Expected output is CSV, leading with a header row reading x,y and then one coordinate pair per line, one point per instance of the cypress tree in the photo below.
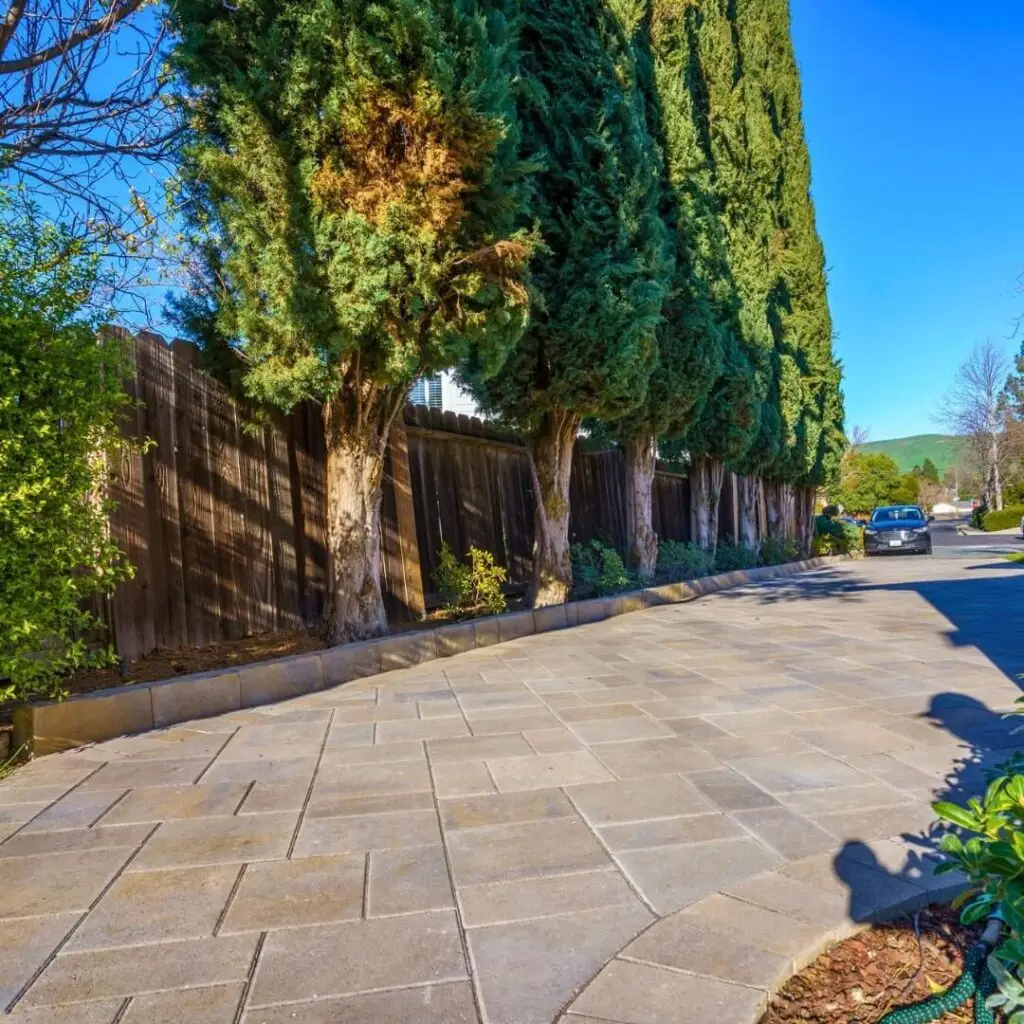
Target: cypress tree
x,y
357,165
601,272
700,301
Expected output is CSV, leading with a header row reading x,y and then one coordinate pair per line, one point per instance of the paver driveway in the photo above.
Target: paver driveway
x,y
477,838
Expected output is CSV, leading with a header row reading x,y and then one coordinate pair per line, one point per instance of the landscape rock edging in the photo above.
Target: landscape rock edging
x,y
50,727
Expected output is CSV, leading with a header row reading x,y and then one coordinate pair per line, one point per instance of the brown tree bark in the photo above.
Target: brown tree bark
x,y
749,495
641,461
805,518
551,468
356,426
706,475
773,509
787,510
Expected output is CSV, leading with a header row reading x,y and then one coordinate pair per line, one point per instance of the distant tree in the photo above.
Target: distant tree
x,y
358,167
909,490
870,479
974,408
929,472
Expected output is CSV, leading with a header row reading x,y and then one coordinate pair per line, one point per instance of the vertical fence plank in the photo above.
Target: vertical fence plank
x,y
282,527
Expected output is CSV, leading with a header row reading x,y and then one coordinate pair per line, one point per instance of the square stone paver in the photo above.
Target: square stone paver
x,y
528,970
753,925
450,1003
505,809
99,974
304,891
543,771
214,1005
386,753
782,773
478,748
346,958
670,877
372,832
641,994
656,797
372,779
270,769
461,778
56,883
156,906
498,902
408,881
505,852
197,841
130,774
104,1012
644,758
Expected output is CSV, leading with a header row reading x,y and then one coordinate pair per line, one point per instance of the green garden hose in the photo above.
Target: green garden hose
x,y
976,981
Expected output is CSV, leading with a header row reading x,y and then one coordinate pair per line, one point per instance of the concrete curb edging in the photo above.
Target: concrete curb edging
x,y
46,728
724,957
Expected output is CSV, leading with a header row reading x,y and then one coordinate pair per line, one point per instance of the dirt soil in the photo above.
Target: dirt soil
x,y
888,966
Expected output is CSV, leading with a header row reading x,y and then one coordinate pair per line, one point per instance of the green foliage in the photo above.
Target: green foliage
x,y
832,537
357,167
602,272
683,561
978,516
775,551
942,450
870,480
598,570
60,398
927,471
988,847
730,557
990,520
473,589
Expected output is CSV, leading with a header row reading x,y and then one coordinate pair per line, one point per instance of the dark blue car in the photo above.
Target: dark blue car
x,y
898,529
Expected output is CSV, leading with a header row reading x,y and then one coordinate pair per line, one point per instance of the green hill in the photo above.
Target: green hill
x,y
909,452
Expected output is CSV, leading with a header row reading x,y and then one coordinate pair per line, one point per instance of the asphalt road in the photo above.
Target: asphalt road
x,y
947,541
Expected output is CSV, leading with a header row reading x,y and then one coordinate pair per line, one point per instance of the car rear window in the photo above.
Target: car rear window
x,y
895,515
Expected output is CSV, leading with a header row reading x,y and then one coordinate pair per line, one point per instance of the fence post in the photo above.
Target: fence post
x,y
405,517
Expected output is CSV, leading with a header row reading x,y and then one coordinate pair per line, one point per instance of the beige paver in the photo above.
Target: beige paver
x,y
756,767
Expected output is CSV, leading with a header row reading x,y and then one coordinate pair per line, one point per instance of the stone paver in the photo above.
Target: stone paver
x,y
651,818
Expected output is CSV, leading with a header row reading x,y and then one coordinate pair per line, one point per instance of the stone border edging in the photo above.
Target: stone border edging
x,y
724,957
48,728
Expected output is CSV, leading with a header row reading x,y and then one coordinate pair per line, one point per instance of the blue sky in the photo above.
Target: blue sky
x,y
914,112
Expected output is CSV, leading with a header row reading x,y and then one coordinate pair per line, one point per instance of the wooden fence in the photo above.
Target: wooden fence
x,y
223,515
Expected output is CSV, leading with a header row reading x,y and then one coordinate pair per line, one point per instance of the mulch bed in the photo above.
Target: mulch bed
x,y
891,965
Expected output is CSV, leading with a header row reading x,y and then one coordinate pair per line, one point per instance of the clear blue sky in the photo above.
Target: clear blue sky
x,y
914,112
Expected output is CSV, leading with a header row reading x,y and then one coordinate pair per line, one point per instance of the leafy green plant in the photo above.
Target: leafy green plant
x,y
598,570
730,557
470,589
1002,520
775,551
978,516
60,399
991,855
683,561
832,537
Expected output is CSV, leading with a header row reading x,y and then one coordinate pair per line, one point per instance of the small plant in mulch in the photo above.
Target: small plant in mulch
x,y
470,589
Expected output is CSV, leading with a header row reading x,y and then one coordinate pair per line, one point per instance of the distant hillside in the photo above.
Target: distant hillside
x,y
909,452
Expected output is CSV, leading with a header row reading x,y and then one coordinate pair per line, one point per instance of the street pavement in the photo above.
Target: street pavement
x,y
652,818
948,541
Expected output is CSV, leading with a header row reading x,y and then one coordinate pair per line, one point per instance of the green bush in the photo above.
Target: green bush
x,y
730,557
683,561
1009,517
598,570
60,399
992,858
473,589
978,516
777,552
832,537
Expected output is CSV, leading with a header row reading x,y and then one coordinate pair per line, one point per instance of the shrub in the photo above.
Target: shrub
x,y
682,561
473,589
832,537
777,552
598,570
730,557
60,398
978,516
992,858
1009,517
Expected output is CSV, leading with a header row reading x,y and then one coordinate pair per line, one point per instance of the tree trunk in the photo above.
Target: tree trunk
x,y
749,495
551,468
997,483
787,510
356,432
641,458
805,519
773,510
706,475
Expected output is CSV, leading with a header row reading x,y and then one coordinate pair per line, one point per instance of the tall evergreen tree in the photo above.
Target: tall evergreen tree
x,y
358,166
700,301
602,270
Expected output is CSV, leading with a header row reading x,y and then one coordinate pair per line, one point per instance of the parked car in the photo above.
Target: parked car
x,y
1022,527
898,529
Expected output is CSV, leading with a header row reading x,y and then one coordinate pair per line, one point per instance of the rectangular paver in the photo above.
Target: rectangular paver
x,y
635,800
542,771
408,881
231,840
370,832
